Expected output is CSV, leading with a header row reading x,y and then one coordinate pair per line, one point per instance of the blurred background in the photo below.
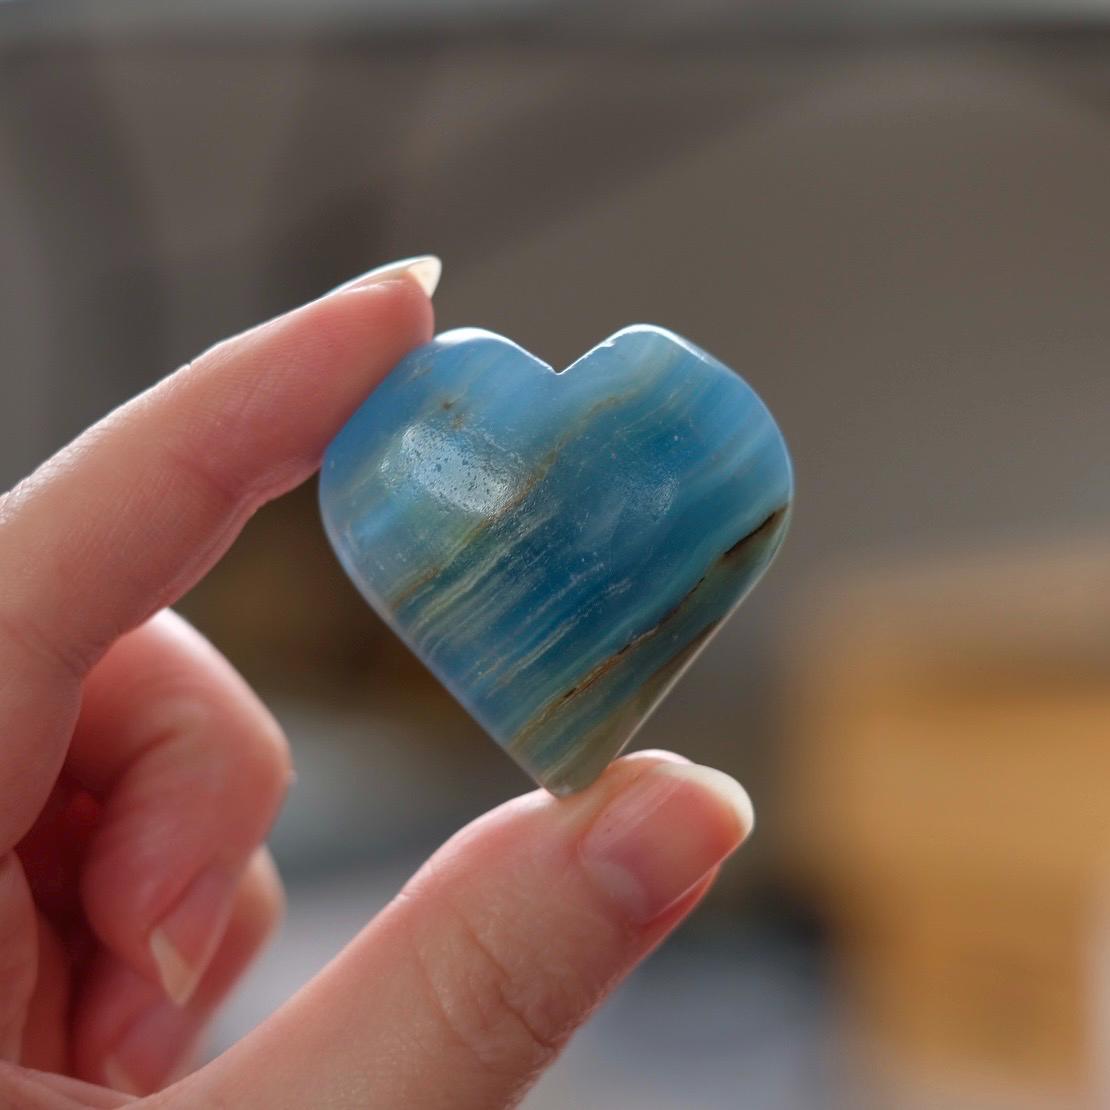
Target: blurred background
x,y
893,219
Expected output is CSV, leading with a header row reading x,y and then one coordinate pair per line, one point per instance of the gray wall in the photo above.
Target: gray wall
x,y
905,246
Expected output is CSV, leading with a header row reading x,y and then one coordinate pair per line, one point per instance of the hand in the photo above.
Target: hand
x,y
139,776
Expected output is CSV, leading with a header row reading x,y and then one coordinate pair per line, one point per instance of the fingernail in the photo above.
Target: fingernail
x,y
154,1043
662,834
119,1079
425,268
184,941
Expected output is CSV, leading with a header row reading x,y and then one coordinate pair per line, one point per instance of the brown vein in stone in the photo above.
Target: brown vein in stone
x,y
759,533
597,673
582,761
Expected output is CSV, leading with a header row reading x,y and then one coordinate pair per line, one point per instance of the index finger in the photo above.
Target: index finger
x,y
130,515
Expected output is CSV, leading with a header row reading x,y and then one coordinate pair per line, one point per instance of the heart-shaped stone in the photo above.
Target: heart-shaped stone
x,y
557,547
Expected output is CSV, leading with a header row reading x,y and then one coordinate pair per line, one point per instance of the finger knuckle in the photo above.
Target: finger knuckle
x,y
510,1023
265,755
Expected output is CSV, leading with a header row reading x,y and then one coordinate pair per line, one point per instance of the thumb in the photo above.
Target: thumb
x,y
463,989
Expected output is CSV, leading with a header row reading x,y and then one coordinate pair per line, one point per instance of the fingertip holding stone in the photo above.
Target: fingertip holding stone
x,y
662,834
425,269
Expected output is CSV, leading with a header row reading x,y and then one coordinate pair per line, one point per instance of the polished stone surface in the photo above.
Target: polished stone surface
x,y
557,547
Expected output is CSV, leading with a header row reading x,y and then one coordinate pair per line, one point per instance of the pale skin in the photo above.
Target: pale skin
x,y
139,776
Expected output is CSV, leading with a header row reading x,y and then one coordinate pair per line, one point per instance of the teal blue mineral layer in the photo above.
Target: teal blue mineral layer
x,y
557,547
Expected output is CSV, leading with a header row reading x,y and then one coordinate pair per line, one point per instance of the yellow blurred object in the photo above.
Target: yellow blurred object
x,y
950,810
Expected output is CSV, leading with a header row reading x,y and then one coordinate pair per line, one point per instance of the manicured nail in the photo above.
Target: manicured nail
x,y
662,834
184,941
119,1079
425,268
152,1046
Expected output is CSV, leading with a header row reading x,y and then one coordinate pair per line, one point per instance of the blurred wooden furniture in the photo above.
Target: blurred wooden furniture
x,y
950,811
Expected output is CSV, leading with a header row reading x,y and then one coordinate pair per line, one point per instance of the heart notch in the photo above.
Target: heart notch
x,y
558,547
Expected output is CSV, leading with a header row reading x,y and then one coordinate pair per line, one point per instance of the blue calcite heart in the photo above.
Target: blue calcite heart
x,y
557,547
